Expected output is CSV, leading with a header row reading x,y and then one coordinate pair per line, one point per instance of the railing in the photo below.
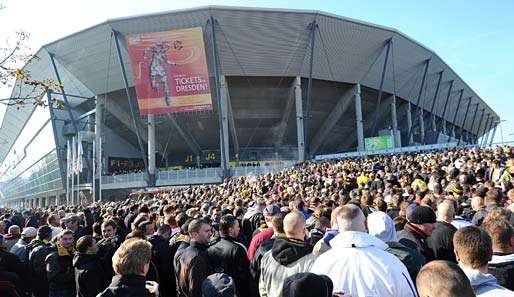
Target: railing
x,y
190,174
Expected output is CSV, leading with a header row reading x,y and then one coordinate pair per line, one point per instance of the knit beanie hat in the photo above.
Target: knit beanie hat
x,y
417,214
307,284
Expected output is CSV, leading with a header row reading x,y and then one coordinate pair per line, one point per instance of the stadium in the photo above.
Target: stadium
x,y
286,85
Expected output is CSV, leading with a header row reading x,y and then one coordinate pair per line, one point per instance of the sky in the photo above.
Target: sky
x,y
474,37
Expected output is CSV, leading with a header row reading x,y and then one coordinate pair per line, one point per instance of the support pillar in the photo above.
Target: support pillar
x,y
492,136
358,118
410,139
224,122
99,108
455,114
486,131
151,147
421,126
299,119
394,124
462,128
443,116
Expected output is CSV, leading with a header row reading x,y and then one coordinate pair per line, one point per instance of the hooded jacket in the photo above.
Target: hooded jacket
x,y
359,265
90,278
485,285
287,257
502,267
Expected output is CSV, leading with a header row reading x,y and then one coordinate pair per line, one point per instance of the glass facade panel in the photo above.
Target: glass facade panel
x,y
31,167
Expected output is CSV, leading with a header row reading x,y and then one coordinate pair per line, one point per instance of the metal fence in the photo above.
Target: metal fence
x,y
194,173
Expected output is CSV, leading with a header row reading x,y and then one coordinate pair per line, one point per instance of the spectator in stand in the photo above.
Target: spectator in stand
x,y
20,248
440,241
59,267
193,265
443,279
502,262
473,250
90,277
358,263
288,256
131,263
229,256
421,220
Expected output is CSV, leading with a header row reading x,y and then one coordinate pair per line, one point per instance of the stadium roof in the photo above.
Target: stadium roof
x,y
254,42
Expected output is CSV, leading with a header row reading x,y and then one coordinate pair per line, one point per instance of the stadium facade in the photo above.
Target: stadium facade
x,y
287,85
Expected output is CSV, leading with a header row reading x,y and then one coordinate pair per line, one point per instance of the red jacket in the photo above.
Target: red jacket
x,y
257,240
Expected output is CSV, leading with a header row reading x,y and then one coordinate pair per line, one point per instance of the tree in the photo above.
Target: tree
x,y
13,75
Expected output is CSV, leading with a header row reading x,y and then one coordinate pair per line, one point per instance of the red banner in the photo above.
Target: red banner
x,y
169,70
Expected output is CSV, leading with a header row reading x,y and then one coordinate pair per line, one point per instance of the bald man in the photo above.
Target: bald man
x,y
441,239
288,256
444,279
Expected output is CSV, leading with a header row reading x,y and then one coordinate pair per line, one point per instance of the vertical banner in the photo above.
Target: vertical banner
x,y
169,70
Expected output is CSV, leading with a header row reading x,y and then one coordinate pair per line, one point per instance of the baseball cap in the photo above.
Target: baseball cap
x,y
271,210
218,285
417,214
29,232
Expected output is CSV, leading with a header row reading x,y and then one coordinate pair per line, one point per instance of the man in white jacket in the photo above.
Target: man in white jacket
x,y
358,264
288,256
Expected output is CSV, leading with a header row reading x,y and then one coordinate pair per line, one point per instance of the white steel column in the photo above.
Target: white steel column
x,y
358,118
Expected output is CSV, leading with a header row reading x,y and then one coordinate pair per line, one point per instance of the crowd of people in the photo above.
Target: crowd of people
x,y
435,223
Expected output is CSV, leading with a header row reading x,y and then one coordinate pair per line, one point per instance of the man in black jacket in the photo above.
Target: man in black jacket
x,y
108,245
193,265
90,278
161,257
421,220
441,239
59,267
131,263
230,256
37,251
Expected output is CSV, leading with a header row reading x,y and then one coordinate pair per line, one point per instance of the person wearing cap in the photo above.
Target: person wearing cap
x,y
12,236
306,284
269,212
219,285
229,256
20,248
37,251
419,226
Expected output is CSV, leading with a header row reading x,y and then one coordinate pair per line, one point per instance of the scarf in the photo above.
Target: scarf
x,y
417,232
